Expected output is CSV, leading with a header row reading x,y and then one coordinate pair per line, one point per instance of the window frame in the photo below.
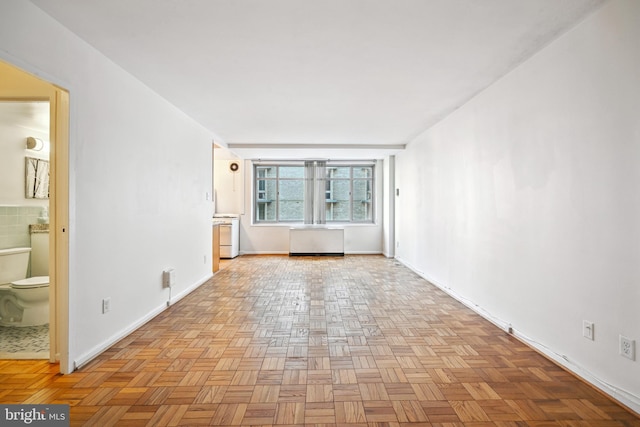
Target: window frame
x,y
259,196
257,201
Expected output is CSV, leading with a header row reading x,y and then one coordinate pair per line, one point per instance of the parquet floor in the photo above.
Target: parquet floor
x,y
353,341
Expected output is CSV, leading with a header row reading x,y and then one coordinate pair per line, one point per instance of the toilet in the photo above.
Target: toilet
x,y
24,301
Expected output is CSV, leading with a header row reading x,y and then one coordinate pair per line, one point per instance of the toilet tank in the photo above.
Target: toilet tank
x,y
14,264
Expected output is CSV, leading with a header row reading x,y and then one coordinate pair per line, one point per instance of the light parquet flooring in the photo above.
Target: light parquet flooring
x,y
353,341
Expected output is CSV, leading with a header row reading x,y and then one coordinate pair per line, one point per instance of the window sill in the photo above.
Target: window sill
x,y
327,225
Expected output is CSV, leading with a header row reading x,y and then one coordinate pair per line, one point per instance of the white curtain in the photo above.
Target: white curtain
x,y
320,179
308,191
315,174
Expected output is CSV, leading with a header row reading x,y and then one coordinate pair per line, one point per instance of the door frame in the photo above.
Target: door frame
x,y
17,84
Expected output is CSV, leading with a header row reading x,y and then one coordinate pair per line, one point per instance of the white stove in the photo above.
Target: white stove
x,y
229,234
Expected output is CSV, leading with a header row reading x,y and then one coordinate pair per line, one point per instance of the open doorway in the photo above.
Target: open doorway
x,y
19,88
24,229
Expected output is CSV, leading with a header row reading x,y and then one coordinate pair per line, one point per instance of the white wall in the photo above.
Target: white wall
x,y
274,239
525,201
229,186
139,171
13,151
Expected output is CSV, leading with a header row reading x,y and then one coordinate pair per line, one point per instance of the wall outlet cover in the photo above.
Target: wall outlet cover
x,y
627,347
587,330
106,305
169,278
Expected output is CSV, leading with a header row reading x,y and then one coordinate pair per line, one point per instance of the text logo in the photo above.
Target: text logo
x,y
34,415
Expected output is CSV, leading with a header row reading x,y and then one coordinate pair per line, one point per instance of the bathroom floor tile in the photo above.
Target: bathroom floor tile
x,y
29,342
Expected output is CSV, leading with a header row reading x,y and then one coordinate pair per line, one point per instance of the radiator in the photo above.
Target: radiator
x,y
316,241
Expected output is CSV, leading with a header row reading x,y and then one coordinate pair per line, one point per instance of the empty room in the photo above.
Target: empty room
x,y
322,213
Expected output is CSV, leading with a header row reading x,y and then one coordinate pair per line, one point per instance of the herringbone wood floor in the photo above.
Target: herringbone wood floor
x,y
357,341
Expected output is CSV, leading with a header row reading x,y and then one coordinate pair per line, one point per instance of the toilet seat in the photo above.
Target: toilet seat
x,y
31,282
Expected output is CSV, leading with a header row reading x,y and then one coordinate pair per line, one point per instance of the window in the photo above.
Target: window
x,y
279,193
313,192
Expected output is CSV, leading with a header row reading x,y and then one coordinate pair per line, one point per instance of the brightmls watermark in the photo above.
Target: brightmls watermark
x,y
34,415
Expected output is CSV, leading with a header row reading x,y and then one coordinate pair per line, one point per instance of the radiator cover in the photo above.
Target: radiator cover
x,y
313,240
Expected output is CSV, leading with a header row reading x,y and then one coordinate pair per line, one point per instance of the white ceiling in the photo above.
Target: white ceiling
x,y
306,72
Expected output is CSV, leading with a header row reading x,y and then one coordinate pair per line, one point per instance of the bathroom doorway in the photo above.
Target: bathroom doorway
x,y
24,223
19,86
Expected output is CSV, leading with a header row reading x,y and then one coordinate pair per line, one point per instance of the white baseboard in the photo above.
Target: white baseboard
x,y
88,356
190,289
287,253
264,253
624,397
631,401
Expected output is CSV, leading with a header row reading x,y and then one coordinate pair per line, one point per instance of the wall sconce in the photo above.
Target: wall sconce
x,y
36,144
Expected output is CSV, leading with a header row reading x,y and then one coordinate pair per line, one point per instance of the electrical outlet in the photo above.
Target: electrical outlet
x,y
169,278
106,305
627,348
587,330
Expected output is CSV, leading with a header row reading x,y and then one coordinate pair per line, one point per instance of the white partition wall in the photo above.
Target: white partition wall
x,y
140,172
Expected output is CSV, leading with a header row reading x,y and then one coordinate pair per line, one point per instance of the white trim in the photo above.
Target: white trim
x,y
190,289
264,253
301,224
395,147
631,401
621,396
88,356
35,71
85,358
287,253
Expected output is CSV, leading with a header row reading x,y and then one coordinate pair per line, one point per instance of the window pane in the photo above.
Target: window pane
x,y
269,211
291,172
362,172
338,172
265,198
266,171
337,206
362,190
266,212
261,191
291,200
266,190
362,198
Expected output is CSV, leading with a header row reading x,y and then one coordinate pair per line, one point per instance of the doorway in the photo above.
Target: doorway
x,y
24,206
19,85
